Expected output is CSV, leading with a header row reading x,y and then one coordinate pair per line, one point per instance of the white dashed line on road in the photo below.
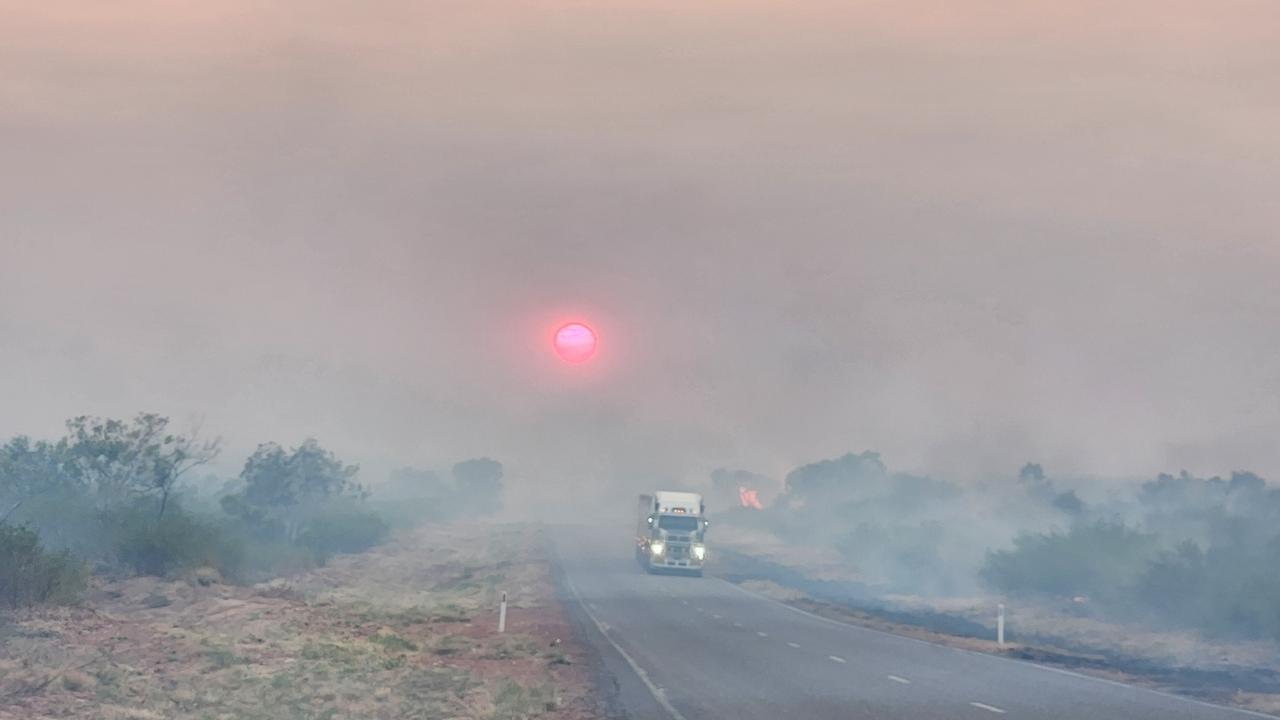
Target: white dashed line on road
x,y
717,617
794,645
737,624
836,658
897,679
762,634
988,708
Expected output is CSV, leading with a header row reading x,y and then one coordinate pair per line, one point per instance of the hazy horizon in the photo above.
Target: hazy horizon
x,y
963,239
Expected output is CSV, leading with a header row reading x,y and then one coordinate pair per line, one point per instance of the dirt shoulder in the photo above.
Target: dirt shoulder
x,y
406,630
1239,674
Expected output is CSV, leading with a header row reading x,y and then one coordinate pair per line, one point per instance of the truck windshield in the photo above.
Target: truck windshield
x,y
682,523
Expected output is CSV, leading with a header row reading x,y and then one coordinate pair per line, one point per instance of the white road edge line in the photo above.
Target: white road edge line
x,y
654,690
1026,663
897,679
988,708
836,658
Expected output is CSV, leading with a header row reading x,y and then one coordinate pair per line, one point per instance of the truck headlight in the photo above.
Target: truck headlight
x,y
656,548
699,551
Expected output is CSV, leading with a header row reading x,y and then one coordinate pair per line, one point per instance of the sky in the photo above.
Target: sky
x,y
965,237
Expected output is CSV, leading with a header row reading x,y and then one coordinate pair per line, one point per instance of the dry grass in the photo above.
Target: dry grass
x,y
407,630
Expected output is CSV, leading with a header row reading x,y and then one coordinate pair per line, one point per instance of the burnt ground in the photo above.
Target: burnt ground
x,y
406,630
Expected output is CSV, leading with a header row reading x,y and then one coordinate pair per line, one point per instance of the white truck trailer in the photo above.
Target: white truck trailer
x,y
670,531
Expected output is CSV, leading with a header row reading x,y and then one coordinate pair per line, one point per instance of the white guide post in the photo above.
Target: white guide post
x,y
1000,625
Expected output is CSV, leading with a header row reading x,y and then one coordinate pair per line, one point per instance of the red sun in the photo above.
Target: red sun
x,y
575,343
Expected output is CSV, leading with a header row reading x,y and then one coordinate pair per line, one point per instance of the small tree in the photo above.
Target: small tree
x,y
29,574
826,486
173,457
118,459
31,469
281,488
479,485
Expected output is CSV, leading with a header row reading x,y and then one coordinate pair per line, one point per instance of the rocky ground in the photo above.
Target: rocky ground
x,y
406,630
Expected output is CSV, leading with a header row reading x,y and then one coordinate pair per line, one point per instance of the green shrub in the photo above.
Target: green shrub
x,y
394,642
1102,559
1225,591
29,574
164,546
63,521
342,530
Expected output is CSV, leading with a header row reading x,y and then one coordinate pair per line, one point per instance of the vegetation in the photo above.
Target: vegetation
x,y
473,489
356,640
29,574
1178,551
305,497
113,494
1095,559
342,529
902,532
1208,557
119,459
167,545
282,491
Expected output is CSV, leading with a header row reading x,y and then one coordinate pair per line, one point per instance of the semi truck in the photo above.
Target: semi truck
x,y
671,528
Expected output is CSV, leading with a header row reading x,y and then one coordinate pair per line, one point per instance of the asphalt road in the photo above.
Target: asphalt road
x,y
693,648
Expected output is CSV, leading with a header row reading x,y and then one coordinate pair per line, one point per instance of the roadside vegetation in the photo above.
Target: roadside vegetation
x,y
131,590
1188,552
1177,552
407,629
31,575
119,497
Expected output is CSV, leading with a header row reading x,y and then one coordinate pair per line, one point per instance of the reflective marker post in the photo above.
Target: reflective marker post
x,y
1000,625
502,614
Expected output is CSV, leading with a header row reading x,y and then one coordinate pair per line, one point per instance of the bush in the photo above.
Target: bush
x,y
1102,559
342,530
30,575
1226,591
164,546
413,496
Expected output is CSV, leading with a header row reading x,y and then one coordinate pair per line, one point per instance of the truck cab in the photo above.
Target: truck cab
x,y
671,532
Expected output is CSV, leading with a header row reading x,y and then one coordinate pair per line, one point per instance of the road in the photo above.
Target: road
x,y
688,648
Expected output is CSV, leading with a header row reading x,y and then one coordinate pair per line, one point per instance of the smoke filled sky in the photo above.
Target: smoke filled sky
x,y
966,235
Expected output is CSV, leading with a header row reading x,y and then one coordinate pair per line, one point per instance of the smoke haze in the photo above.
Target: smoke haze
x,y
964,239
